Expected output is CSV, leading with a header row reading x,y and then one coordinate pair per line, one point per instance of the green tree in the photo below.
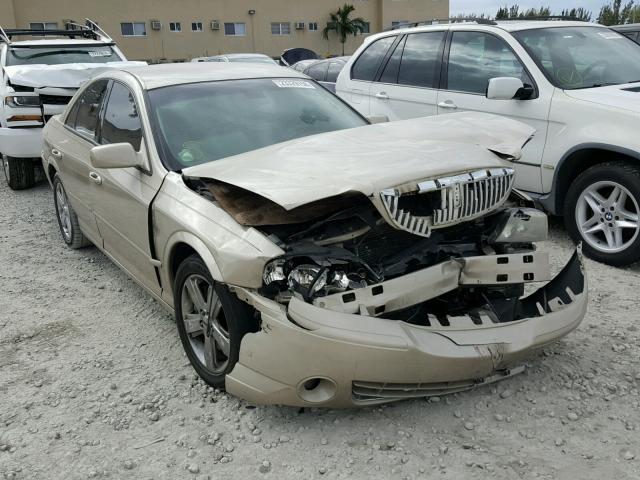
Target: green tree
x,y
578,13
615,13
341,23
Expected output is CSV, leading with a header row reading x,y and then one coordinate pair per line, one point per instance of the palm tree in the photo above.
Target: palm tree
x,y
343,25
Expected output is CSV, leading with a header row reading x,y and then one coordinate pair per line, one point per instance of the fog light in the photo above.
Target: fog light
x,y
317,389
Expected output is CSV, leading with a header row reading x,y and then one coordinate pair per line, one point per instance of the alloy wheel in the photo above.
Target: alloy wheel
x,y
205,323
607,216
62,209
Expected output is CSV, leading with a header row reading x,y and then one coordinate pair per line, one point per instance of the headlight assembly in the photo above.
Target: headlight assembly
x,y
22,101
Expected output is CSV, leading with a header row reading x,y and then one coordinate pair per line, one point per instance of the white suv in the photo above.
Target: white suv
x,y
39,77
577,84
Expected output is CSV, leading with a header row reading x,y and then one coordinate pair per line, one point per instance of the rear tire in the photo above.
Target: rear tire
x,y
18,172
67,218
601,211
231,319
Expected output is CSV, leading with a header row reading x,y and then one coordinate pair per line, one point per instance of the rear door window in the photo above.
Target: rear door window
x,y
420,62
391,69
88,109
367,64
121,122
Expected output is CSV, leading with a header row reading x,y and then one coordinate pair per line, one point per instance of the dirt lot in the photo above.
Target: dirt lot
x,y
94,384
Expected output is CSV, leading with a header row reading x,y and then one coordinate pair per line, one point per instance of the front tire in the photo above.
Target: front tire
x,y
67,218
18,172
602,210
211,321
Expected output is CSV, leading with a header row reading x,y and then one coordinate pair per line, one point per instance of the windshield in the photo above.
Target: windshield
x,y
583,57
62,55
201,122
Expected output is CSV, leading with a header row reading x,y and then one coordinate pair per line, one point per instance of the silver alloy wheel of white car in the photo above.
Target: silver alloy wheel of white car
x,y
63,212
607,216
205,323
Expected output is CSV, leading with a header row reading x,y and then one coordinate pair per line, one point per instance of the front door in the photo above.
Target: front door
x,y
474,58
406,87
123,195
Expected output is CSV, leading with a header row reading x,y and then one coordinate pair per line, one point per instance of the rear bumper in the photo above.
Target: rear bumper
x,y
305,355
21,142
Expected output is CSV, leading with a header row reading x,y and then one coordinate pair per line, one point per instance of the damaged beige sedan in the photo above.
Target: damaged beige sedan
x,y
311,258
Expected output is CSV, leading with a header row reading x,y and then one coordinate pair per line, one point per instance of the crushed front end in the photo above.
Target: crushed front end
x,y
418,290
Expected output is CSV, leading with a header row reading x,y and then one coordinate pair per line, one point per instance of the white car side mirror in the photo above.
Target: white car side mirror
x,y
373,119
504,88
115,155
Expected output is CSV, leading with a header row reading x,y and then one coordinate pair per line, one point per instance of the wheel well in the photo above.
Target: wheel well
x,y
179,254
51,171
580,161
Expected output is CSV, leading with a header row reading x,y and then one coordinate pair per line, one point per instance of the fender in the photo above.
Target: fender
x,y
552,201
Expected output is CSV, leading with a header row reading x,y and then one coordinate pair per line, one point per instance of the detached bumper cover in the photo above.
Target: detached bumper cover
x,y
21,142
307,355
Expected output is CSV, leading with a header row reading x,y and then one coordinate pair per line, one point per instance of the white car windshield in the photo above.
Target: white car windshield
x,y
61,55
200,122
582,57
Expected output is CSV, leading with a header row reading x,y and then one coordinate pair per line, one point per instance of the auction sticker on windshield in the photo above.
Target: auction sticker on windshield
x,y
99,53
293,84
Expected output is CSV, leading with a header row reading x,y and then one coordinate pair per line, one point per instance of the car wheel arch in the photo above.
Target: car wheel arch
x,y
182,245
579,159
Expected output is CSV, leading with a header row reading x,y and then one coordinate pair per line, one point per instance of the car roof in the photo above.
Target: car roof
x,y
242,55
56,42
165,74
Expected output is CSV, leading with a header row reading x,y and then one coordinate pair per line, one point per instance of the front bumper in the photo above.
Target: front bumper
x,y
306,355
21,142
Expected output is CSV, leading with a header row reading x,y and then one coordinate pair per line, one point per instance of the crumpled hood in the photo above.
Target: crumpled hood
x,y
370,158
624,97
70,75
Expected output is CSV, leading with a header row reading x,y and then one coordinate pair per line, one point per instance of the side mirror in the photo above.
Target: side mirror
x,y
373,119
504,88
115,155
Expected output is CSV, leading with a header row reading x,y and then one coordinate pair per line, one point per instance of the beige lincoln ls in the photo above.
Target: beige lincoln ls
x,y
311,256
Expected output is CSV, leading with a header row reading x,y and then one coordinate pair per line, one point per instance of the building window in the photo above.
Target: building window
x,y
43,26
313,26
196,26
235,29
366,27
400,23
133,29
175,27
280,28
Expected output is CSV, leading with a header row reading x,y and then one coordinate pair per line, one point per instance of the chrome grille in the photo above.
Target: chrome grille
x,y
456,198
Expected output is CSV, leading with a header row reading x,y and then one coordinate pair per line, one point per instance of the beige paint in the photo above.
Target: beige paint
x,y
171,46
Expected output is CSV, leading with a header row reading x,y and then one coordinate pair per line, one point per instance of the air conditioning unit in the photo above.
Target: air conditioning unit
x,y
156,25
215,25
300,25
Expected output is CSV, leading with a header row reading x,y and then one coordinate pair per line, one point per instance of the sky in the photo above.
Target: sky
x,y
491,6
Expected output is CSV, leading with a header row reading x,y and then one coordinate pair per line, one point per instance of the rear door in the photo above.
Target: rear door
x,y
475,57
123,195
354,82
407,84
71,152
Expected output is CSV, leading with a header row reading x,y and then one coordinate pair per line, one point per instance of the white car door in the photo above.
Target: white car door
x,y
354,81
407,85
475,57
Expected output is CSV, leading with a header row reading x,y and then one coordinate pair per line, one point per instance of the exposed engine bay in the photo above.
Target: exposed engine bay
x,y
344,244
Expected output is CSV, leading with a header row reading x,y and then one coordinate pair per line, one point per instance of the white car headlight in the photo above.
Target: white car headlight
x,y
22,101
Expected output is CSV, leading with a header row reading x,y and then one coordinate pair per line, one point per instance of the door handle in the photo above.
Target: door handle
x,y
95,178
448,104
56,153
382,96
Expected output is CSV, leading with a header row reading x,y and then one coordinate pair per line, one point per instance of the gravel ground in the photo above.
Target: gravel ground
x,y
94,384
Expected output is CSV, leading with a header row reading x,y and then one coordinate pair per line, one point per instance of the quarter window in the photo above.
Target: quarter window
x,y
476,57
235,29
196,26
175,27
367,64
133,29
420,59
121,123
280,28
83,116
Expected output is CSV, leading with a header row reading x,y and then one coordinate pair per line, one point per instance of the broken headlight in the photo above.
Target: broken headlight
x,y
21,101
311,280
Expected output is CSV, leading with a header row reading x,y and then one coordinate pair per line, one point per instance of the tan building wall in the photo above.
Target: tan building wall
x,y
184,45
